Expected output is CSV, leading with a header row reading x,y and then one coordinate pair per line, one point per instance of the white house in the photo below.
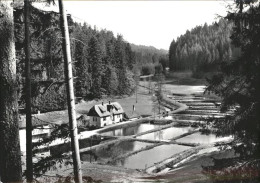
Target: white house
x,y
105,114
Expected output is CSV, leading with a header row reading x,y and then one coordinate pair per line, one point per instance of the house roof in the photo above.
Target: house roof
x,y
35,122
49,118
106,109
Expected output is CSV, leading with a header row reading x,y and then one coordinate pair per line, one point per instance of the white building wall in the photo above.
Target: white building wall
x,y
100,122
106,121
118,118
22,135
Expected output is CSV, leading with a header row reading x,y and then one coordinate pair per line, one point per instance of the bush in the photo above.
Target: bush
x,y
147,69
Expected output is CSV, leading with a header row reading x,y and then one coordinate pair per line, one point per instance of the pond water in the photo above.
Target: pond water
x,y
184,89
131,130
166,134
147,158
202,138
113,151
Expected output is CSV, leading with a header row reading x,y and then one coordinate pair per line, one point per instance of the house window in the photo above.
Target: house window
x,y
104,118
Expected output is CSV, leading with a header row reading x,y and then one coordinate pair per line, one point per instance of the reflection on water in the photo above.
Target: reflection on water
x,y
131,130
166,134
113,151
202,138
147,158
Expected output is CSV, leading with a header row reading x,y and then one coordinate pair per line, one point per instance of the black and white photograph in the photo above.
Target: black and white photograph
x,y
130,91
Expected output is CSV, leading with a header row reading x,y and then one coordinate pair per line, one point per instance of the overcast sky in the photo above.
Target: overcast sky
x,y
151,23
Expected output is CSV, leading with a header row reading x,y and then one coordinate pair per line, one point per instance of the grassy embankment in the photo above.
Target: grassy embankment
x,y
143,102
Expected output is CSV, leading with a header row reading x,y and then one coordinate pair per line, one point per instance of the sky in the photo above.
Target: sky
x,y
151,23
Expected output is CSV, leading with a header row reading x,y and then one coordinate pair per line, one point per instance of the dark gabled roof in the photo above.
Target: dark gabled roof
x,y
117,106
103,110
97,110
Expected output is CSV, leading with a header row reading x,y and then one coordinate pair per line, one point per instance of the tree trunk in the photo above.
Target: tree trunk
x,y
70,94
29,163
10,155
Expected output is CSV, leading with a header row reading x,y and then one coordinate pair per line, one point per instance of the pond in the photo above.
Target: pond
x,y
202,138
112,151
166,134
147,158
131,130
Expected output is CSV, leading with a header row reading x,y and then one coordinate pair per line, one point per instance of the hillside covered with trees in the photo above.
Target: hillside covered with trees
x,y
203,48
148,58
103,64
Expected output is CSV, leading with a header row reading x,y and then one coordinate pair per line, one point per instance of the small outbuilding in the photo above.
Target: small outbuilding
x,y
105,114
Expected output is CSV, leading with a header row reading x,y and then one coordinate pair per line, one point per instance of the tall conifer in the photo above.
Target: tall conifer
x,y
95,60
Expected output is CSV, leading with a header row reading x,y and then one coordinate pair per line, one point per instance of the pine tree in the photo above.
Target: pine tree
x,y
81,66
29,158
10,159
238,85
172,57
95,60
130,57
120,65
111,80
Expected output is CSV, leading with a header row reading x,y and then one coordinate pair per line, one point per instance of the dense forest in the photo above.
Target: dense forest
x,y
203,48
103,64
148,58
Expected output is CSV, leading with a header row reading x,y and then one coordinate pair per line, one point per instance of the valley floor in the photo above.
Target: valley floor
x,y
188,170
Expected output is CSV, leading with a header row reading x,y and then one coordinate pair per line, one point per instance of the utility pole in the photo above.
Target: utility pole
x,y
149,85
29,163
136,82
70,94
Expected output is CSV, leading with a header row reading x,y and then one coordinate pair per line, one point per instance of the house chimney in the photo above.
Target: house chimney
x,y
102,103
